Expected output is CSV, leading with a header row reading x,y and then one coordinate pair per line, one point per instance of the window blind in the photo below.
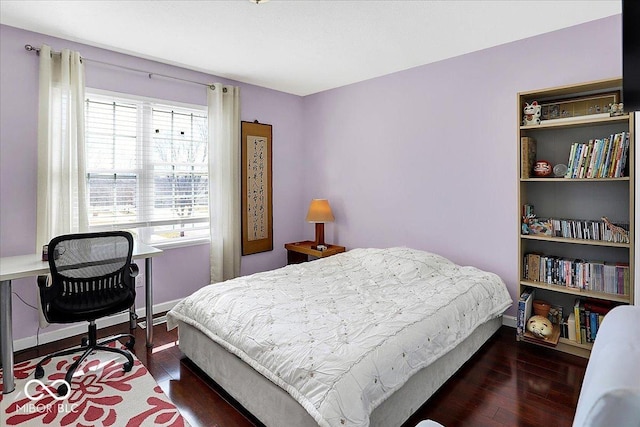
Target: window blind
x,y
147,168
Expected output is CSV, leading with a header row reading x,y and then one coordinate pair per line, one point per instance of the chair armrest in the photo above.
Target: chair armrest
x,y
133,269
43,281
46,288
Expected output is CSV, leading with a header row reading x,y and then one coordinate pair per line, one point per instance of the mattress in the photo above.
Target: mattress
x,y
342,334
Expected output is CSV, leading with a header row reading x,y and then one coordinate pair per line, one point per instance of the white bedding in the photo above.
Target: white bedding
x,y
342,333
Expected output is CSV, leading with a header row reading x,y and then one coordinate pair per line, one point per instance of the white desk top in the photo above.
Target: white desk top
x,y
16,267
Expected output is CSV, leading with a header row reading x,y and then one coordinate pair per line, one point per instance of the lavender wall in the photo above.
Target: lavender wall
x,y
177,272
423,158
426,158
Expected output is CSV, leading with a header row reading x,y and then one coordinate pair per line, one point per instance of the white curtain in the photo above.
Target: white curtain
x,y
61,203
224,181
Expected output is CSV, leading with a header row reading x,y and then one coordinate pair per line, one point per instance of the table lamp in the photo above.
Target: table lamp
x,y
319,213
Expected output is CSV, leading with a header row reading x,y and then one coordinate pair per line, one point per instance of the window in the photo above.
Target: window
x,y
147,168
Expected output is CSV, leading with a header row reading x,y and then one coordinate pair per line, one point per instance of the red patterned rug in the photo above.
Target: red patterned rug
x,y
104,395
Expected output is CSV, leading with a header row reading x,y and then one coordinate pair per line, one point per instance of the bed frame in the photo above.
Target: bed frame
x,y
274,407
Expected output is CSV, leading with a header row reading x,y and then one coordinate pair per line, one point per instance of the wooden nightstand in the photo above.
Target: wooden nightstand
x,y
300,251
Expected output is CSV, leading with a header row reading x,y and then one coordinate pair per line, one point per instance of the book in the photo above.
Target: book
x,y
603,160
607,160
535,267
587,324
587,160
564,328
525,304
598,306
571,322
594,325
570,162
576,314
594,156
576,160
528,156
625,153
583,323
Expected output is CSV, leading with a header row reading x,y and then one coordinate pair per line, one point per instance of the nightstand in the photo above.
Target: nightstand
x,y
300,251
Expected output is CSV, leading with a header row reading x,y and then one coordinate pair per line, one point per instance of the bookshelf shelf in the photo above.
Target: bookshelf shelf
x,y
577,199
567,346
578,122
624,178
575,241
579,292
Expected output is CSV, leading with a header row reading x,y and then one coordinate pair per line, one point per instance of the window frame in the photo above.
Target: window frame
x,y
144,168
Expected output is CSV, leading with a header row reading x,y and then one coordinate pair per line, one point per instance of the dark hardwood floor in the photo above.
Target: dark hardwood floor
x,y
504,384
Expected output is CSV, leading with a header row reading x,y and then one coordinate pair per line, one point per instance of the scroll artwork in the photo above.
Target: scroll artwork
x,y
257,203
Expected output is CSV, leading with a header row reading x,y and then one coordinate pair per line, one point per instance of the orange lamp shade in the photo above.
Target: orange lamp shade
x,y
319,211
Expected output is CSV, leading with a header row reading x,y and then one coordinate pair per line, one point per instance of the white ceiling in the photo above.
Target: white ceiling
x,y
295,46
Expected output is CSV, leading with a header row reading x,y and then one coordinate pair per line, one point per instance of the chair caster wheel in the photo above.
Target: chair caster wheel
x,y
39,373
129,344
127,366
63,390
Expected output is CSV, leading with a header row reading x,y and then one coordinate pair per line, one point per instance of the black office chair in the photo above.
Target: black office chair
x,y
92,276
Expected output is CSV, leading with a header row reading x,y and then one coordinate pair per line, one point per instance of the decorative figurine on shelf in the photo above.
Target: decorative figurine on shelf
x,y
616,109
532,114
540,326
618,234
542,168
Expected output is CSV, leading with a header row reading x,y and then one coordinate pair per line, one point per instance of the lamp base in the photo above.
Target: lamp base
x,y
319,235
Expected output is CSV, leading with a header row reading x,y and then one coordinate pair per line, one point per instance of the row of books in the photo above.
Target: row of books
x,y
594,276
599,158
585,229
586,318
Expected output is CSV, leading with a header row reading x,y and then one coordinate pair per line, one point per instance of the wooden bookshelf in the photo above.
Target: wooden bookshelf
x,y
575,198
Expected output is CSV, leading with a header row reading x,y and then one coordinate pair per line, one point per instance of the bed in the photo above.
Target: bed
x,y
356,339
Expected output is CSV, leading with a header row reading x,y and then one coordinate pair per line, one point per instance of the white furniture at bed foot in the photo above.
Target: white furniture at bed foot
x,y
610,393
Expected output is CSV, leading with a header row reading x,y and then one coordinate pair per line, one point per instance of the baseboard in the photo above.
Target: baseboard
x,y
509,321
81,328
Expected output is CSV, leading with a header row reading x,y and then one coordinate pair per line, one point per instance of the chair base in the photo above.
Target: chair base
x,y
88,346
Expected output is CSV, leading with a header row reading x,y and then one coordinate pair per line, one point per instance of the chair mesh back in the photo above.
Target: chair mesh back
x,y
86,263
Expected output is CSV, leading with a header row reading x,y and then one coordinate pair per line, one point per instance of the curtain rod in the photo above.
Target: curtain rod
x,y
30,48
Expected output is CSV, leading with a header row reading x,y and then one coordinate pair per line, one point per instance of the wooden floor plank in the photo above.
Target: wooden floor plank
x,y
505,384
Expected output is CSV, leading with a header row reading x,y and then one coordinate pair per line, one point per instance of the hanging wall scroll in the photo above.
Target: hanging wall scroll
x,y
257,202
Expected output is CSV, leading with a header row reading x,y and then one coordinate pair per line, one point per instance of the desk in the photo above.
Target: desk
x,y
22,266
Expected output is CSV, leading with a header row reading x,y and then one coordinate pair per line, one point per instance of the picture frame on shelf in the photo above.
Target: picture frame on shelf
x,y
570,109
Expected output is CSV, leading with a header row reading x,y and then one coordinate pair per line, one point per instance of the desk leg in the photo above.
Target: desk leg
x,y
148,292
6,337
133,317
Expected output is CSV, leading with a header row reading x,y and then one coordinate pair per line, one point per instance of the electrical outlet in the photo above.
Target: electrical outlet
x,y
140,280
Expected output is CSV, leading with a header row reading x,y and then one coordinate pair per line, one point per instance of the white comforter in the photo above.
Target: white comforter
x,y
341,334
